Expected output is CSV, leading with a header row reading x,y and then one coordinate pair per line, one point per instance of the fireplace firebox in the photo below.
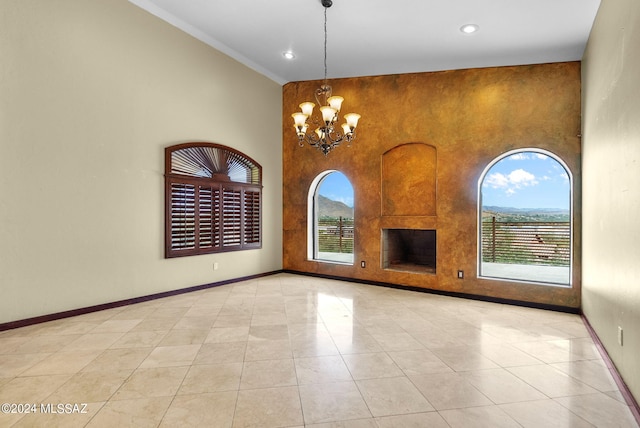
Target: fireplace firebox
x,y
411,250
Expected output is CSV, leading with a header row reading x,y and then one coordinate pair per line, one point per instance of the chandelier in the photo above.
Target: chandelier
x,y
326,136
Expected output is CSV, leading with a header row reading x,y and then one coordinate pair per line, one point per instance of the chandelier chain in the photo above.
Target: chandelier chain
x,y
325,45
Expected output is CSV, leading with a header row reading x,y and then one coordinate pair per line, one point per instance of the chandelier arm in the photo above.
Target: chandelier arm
x,y
334,137
313,139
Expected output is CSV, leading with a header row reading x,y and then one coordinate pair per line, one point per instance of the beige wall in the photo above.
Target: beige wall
x,y
611,174
90,94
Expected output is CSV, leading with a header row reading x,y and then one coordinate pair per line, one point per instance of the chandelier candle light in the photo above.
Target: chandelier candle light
x,y
326,137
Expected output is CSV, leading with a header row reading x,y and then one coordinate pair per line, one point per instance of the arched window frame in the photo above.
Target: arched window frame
x,y
213,200
312,211
479,218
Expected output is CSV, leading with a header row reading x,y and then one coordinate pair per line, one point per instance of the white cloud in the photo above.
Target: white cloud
x,y
541,156
520,177
511,182
496,180
519,156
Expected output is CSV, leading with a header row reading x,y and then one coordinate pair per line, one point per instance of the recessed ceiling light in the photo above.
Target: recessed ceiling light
x,y
288,55
469,28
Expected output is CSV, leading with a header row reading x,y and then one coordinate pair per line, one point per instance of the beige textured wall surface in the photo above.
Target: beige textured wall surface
x,y
90,94
469,117
611,175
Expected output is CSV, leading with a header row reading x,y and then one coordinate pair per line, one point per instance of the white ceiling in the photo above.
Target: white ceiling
x,y
375,37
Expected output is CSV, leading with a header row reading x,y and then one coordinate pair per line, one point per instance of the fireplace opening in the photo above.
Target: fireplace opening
x,y
412,250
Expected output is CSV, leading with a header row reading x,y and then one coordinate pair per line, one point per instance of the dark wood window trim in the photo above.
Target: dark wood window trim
x,y
213,200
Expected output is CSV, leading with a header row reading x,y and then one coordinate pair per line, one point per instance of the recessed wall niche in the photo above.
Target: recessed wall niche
x,y
409,180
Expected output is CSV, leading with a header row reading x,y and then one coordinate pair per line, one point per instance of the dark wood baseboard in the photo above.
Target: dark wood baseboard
x,y
74,312
490,299
622,386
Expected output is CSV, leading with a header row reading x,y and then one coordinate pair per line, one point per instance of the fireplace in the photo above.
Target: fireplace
x,y
411,250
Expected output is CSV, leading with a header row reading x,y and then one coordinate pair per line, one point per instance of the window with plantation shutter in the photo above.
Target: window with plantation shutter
x,y
213,200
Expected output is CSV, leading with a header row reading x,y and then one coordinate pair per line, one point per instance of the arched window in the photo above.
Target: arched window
x,y
213,198
330,218
525,211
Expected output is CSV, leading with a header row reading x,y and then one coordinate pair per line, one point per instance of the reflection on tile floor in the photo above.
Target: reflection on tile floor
x,y
293,351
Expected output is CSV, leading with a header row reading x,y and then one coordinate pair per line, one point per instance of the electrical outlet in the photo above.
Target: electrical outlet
x,y
460,274
215,265
620,336
363,264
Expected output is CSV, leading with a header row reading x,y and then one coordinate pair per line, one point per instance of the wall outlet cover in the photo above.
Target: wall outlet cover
x,y
620,336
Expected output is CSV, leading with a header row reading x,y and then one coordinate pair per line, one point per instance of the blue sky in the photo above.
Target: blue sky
x,y
527,180
336,186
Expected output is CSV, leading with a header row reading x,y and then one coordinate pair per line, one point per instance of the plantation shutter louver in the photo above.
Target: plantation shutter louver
x,y
182,216
251,217
231,217
206,216
213,198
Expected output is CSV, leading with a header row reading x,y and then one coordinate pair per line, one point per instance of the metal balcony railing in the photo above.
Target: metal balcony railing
x,y
335,235
527,243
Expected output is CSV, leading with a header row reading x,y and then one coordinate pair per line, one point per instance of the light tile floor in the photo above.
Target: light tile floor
x,y
293,351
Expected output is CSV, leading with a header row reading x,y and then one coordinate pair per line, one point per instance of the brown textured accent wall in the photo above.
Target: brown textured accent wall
x,y
469,117
409,181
